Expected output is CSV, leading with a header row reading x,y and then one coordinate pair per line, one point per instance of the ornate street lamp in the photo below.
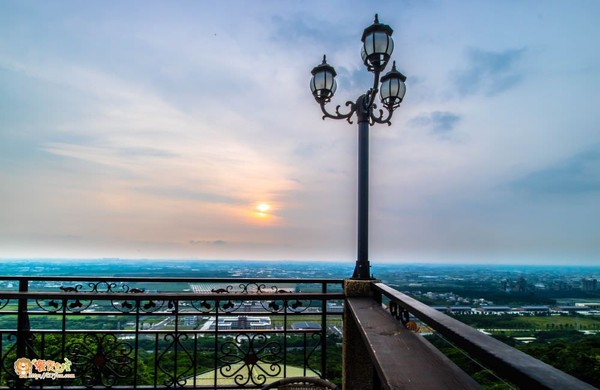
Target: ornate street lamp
x,y
376,51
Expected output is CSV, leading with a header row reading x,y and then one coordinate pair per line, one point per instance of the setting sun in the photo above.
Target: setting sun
x,y
263,207
262,211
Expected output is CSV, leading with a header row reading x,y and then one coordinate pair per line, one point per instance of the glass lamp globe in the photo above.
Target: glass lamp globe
x,y
323,84
378,46
392,88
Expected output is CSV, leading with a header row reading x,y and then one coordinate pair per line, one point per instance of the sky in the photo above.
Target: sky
x,y
187,130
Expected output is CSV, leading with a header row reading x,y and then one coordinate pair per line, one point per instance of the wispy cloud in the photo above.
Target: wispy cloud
x,y
438,122
489,72
579,174
208,242
186,193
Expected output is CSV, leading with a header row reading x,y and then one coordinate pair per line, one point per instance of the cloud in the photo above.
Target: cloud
x,y
146,152
438,122
208,242
293,30
185,193
489,72
579,174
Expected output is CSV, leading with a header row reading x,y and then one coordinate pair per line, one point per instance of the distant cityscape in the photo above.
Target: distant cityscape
x,y
456,288
538,309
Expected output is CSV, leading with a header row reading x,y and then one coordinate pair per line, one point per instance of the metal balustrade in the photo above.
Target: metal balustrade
x,y
129,333
225,333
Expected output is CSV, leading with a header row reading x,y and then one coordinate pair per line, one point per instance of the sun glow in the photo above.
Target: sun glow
x,y
263,207
263,212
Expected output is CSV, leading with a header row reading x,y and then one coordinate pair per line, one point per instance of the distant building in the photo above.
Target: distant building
x,y
524,340
190,321
589,284
571,308
588,305
495,309
536,309
242,323
305,325
333,307
520,285
251,306
460,309
560,285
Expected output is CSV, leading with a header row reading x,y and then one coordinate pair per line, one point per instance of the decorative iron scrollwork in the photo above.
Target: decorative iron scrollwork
x,y
252,287
298,306
273,306
3,302
79,304
229,306
316,337
399,313
250,359
70,305
151,306
379,118
75,288
204,306
176,373
7,361
338,115
222,290
101,360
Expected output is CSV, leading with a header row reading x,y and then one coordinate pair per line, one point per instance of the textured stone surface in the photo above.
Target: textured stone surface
x,y
359,287
357,368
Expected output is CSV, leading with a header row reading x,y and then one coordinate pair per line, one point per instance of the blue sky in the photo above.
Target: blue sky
x,y
154,130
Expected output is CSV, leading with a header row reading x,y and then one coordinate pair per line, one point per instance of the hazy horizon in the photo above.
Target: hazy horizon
x,y
75,261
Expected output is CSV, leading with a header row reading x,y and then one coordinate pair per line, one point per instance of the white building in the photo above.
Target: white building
x,y
242,323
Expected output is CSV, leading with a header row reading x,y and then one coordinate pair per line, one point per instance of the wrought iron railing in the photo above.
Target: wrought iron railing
x,y
80,332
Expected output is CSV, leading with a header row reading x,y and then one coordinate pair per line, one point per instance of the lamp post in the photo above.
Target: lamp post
x,y
376,51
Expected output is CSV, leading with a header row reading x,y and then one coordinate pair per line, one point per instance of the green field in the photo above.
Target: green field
x,y
533,323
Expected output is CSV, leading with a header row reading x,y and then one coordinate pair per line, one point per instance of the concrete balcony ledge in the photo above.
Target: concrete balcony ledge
x,y
517,367
402,358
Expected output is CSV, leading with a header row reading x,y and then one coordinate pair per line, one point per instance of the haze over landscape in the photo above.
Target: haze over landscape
x,y
186,130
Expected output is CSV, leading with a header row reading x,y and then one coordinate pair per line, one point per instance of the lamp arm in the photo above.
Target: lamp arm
x,y
338,114
373,91
379,118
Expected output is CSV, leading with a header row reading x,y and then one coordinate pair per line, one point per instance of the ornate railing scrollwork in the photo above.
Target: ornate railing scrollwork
x,y
3,303
117,334
250,359
7,361
399,313
70,305
229,306
403,315
176,373
101,287
101,359
203,306
316,338
252,287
